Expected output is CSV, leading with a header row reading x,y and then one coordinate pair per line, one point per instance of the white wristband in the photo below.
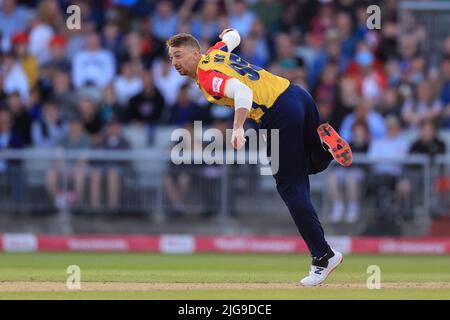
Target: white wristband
x,y
232,39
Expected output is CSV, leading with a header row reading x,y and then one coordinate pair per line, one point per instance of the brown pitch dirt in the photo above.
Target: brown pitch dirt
x,y
32,286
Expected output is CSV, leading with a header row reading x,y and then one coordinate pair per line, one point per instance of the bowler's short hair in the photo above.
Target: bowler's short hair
x,y
183,39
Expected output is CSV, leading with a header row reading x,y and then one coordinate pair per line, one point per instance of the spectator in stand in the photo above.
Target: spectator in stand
x,y
324,20
140,50
164,21
389,43
111,38
367,72
295,17
34,103
58,59
63,94
75,170
326,92
49,19
111,170
90,116
387,174
184,110
423,106
393,72
76,40
14,18
240,17
269,11
428,143
109,107
347,99
167,80
178,178
364,112
94,65
286,64
445,91
330,53
259,34
9,139
446,46
21,117
350,179
27,61
349,38
45,82
249,53
128,83
418,70
14,77
146,107
49,128
204,25
409,49
390,104
12,169
373,37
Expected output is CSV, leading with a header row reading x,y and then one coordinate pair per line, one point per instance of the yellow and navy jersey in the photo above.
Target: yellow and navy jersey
x,y
218,65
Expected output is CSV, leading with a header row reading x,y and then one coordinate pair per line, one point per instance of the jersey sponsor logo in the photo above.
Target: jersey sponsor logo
x,y
216,82
206,60
319,270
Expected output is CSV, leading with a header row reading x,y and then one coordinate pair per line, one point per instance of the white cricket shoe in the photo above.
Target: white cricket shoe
x,y
321,268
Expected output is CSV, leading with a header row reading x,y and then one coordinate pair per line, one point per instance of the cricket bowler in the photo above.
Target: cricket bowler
x,y
274,103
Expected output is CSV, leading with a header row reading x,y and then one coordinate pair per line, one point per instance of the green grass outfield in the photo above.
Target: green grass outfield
x,y
216,276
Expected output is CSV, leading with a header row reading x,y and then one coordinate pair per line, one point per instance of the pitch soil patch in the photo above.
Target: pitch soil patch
x,y
33,286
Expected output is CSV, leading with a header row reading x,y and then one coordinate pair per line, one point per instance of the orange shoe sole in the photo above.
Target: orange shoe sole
x,y
338,147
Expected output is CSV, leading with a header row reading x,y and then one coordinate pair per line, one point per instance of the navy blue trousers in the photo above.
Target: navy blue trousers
x,y
300,154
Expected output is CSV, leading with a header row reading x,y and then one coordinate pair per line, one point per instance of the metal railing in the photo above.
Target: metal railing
x,y
441,185
145,181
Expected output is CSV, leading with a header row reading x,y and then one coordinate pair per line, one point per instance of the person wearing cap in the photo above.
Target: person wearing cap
x,y
29,63
14,18
58,57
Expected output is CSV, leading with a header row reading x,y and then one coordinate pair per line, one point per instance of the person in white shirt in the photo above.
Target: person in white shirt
x,y
14,18
127,84
392,147
167,80
388,181
14,77
93,65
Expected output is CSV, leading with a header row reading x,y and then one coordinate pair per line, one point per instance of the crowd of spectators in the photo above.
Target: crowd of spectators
x,y
68,87
115,65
